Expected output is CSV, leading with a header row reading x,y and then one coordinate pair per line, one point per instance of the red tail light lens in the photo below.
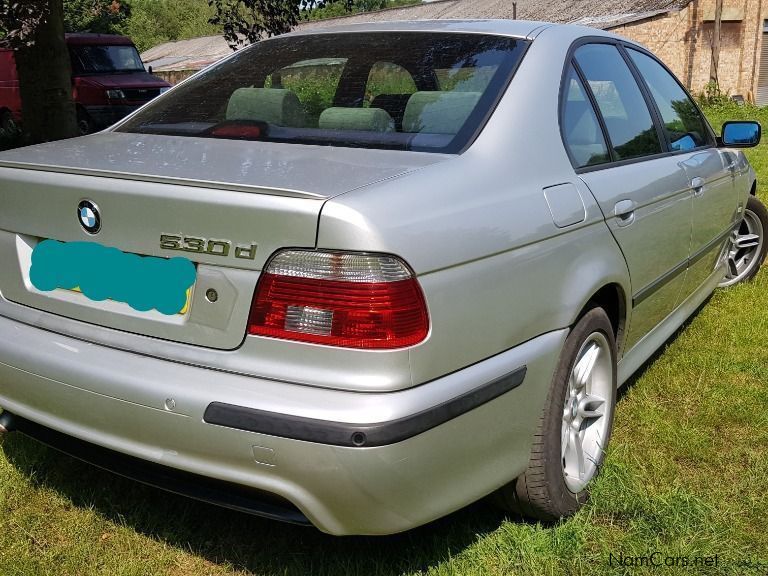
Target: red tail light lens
x,y
352,300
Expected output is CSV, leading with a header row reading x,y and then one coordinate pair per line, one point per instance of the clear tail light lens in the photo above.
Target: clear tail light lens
x,y
347,299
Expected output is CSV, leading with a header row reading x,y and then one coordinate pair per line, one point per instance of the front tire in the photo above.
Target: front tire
x,y
748,245
8,127
84,122
574,427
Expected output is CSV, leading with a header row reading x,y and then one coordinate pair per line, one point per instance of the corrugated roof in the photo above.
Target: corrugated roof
x,y
558,11
198,52
181,54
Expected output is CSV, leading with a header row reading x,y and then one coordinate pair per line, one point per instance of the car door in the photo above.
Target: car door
x,y
642,190
708,169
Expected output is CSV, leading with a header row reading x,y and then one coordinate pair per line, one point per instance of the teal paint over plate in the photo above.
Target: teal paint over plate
x,y
104,273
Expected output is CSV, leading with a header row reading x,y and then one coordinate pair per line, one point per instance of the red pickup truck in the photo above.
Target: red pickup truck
x,y
108,81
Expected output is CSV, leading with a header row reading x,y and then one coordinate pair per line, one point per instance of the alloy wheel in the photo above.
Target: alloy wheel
x,y
585,413
743,251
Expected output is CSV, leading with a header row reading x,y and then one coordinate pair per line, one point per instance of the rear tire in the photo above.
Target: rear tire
x,y
748,245
577,420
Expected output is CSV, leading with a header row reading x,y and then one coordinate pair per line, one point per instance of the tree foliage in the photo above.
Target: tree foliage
x,y
153,22
247,21
103,16
20,19
338,9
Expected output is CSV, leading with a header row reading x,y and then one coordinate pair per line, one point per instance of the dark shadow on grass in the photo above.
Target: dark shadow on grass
x,y
246,542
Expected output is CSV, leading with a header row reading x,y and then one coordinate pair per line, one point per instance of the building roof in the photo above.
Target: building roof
x,y
604,14
501,27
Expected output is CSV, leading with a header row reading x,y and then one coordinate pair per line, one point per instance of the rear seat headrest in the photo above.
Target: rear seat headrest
x,y
439,112
273,105
368,119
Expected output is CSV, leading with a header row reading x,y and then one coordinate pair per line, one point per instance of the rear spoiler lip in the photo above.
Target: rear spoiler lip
x,y
291,193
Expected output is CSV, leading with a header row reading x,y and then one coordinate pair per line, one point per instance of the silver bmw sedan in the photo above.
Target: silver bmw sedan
x,y
363,277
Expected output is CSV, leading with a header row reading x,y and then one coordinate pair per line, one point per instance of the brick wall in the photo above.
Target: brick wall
x,y
683,40
174,76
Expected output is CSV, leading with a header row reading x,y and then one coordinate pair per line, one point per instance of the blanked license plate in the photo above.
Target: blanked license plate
x,y
104,273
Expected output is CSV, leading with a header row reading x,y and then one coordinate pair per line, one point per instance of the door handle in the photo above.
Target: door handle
x,y
624,212
697,184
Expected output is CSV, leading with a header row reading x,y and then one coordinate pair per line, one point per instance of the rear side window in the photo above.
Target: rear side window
x,y
397,90
627,118
684,125
581,130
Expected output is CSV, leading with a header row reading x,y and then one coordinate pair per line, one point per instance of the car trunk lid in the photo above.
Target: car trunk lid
x,y
166,197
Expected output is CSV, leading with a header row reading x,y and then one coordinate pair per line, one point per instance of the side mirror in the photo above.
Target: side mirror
x,y
741,134
149,69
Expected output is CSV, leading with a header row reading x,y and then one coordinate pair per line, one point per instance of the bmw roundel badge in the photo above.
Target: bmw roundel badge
x,y
88,214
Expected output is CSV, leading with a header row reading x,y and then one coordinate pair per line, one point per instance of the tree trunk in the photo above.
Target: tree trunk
x,y
45,81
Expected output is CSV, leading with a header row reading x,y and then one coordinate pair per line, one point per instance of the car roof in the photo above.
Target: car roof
x,y
516,28
92,38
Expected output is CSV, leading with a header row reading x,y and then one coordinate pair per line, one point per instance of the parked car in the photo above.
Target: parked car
x,y
108,82
363,277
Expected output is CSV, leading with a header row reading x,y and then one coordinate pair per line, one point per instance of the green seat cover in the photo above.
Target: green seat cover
x,y
273,105
368,119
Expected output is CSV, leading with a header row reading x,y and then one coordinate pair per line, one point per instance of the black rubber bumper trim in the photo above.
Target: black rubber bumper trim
x,y
226,494
359,435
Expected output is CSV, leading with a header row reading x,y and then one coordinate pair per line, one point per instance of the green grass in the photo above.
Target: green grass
x,y
686,475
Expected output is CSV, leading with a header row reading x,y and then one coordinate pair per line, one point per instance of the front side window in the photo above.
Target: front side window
x,y
397,90
386,78
101,59
581,129
313,81
627,119
684,125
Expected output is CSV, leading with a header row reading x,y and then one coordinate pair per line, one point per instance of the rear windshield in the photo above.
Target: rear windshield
x,y
395,90
101,59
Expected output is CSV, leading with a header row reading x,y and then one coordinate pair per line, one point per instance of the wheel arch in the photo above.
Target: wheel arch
x,y
612,299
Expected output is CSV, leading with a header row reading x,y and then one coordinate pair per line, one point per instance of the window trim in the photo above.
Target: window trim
x,y
652,112
650,102
591,99
621,46
712,136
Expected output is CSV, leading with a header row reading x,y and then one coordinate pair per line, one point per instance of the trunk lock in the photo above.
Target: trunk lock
x,y
211,295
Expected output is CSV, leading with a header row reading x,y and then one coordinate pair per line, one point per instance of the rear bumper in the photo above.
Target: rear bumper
x,y
276,440
234,496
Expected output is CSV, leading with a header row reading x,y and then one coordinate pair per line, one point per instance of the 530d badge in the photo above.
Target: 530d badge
x,y
206,246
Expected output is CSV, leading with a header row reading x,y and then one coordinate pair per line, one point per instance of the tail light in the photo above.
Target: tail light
x,y
347,299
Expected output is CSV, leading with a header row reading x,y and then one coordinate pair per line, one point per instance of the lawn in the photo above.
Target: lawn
x,y
686,476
